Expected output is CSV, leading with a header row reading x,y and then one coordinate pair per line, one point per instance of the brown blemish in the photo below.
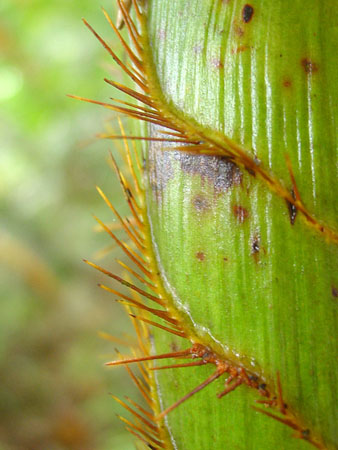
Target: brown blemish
x,y
217,170
334,291
292,209
225,259
240,212
201,204
309,66
287,83
247,13
216,63
197,49
162,34
174,346
238,30
239,49
200,256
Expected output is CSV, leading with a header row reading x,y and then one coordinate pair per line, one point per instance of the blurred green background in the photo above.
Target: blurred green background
x,y
54,388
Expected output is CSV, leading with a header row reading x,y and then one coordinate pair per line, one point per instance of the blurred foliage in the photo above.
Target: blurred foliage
x,y
53,392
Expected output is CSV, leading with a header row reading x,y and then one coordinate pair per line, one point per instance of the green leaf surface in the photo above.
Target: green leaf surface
x,y
249,276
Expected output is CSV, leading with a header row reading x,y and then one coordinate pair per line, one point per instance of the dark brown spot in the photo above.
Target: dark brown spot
x,y
262,389
240,212
200,256
287,83
201,204
306,434
334,291
309,66
247,13
252,377
250,171
292,209
292,212
129,193
255,245
217,170
225,259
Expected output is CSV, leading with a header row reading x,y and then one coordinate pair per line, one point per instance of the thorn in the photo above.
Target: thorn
x,y
116,29
127,193
142,138
155,324
157,312
282,406
230,388
144,440
126,229
143,369
293,179
201,386
116,340
115,57
128,408
125,283
175,366
140,339
131,165
136,275
144,433
283,420
119,20
180,354
133,33
131,92
136,381
138,12
145,412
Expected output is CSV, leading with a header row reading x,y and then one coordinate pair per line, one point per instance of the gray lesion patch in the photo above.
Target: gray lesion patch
x,y
217,171
159,163
160,169
201,203
221,173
